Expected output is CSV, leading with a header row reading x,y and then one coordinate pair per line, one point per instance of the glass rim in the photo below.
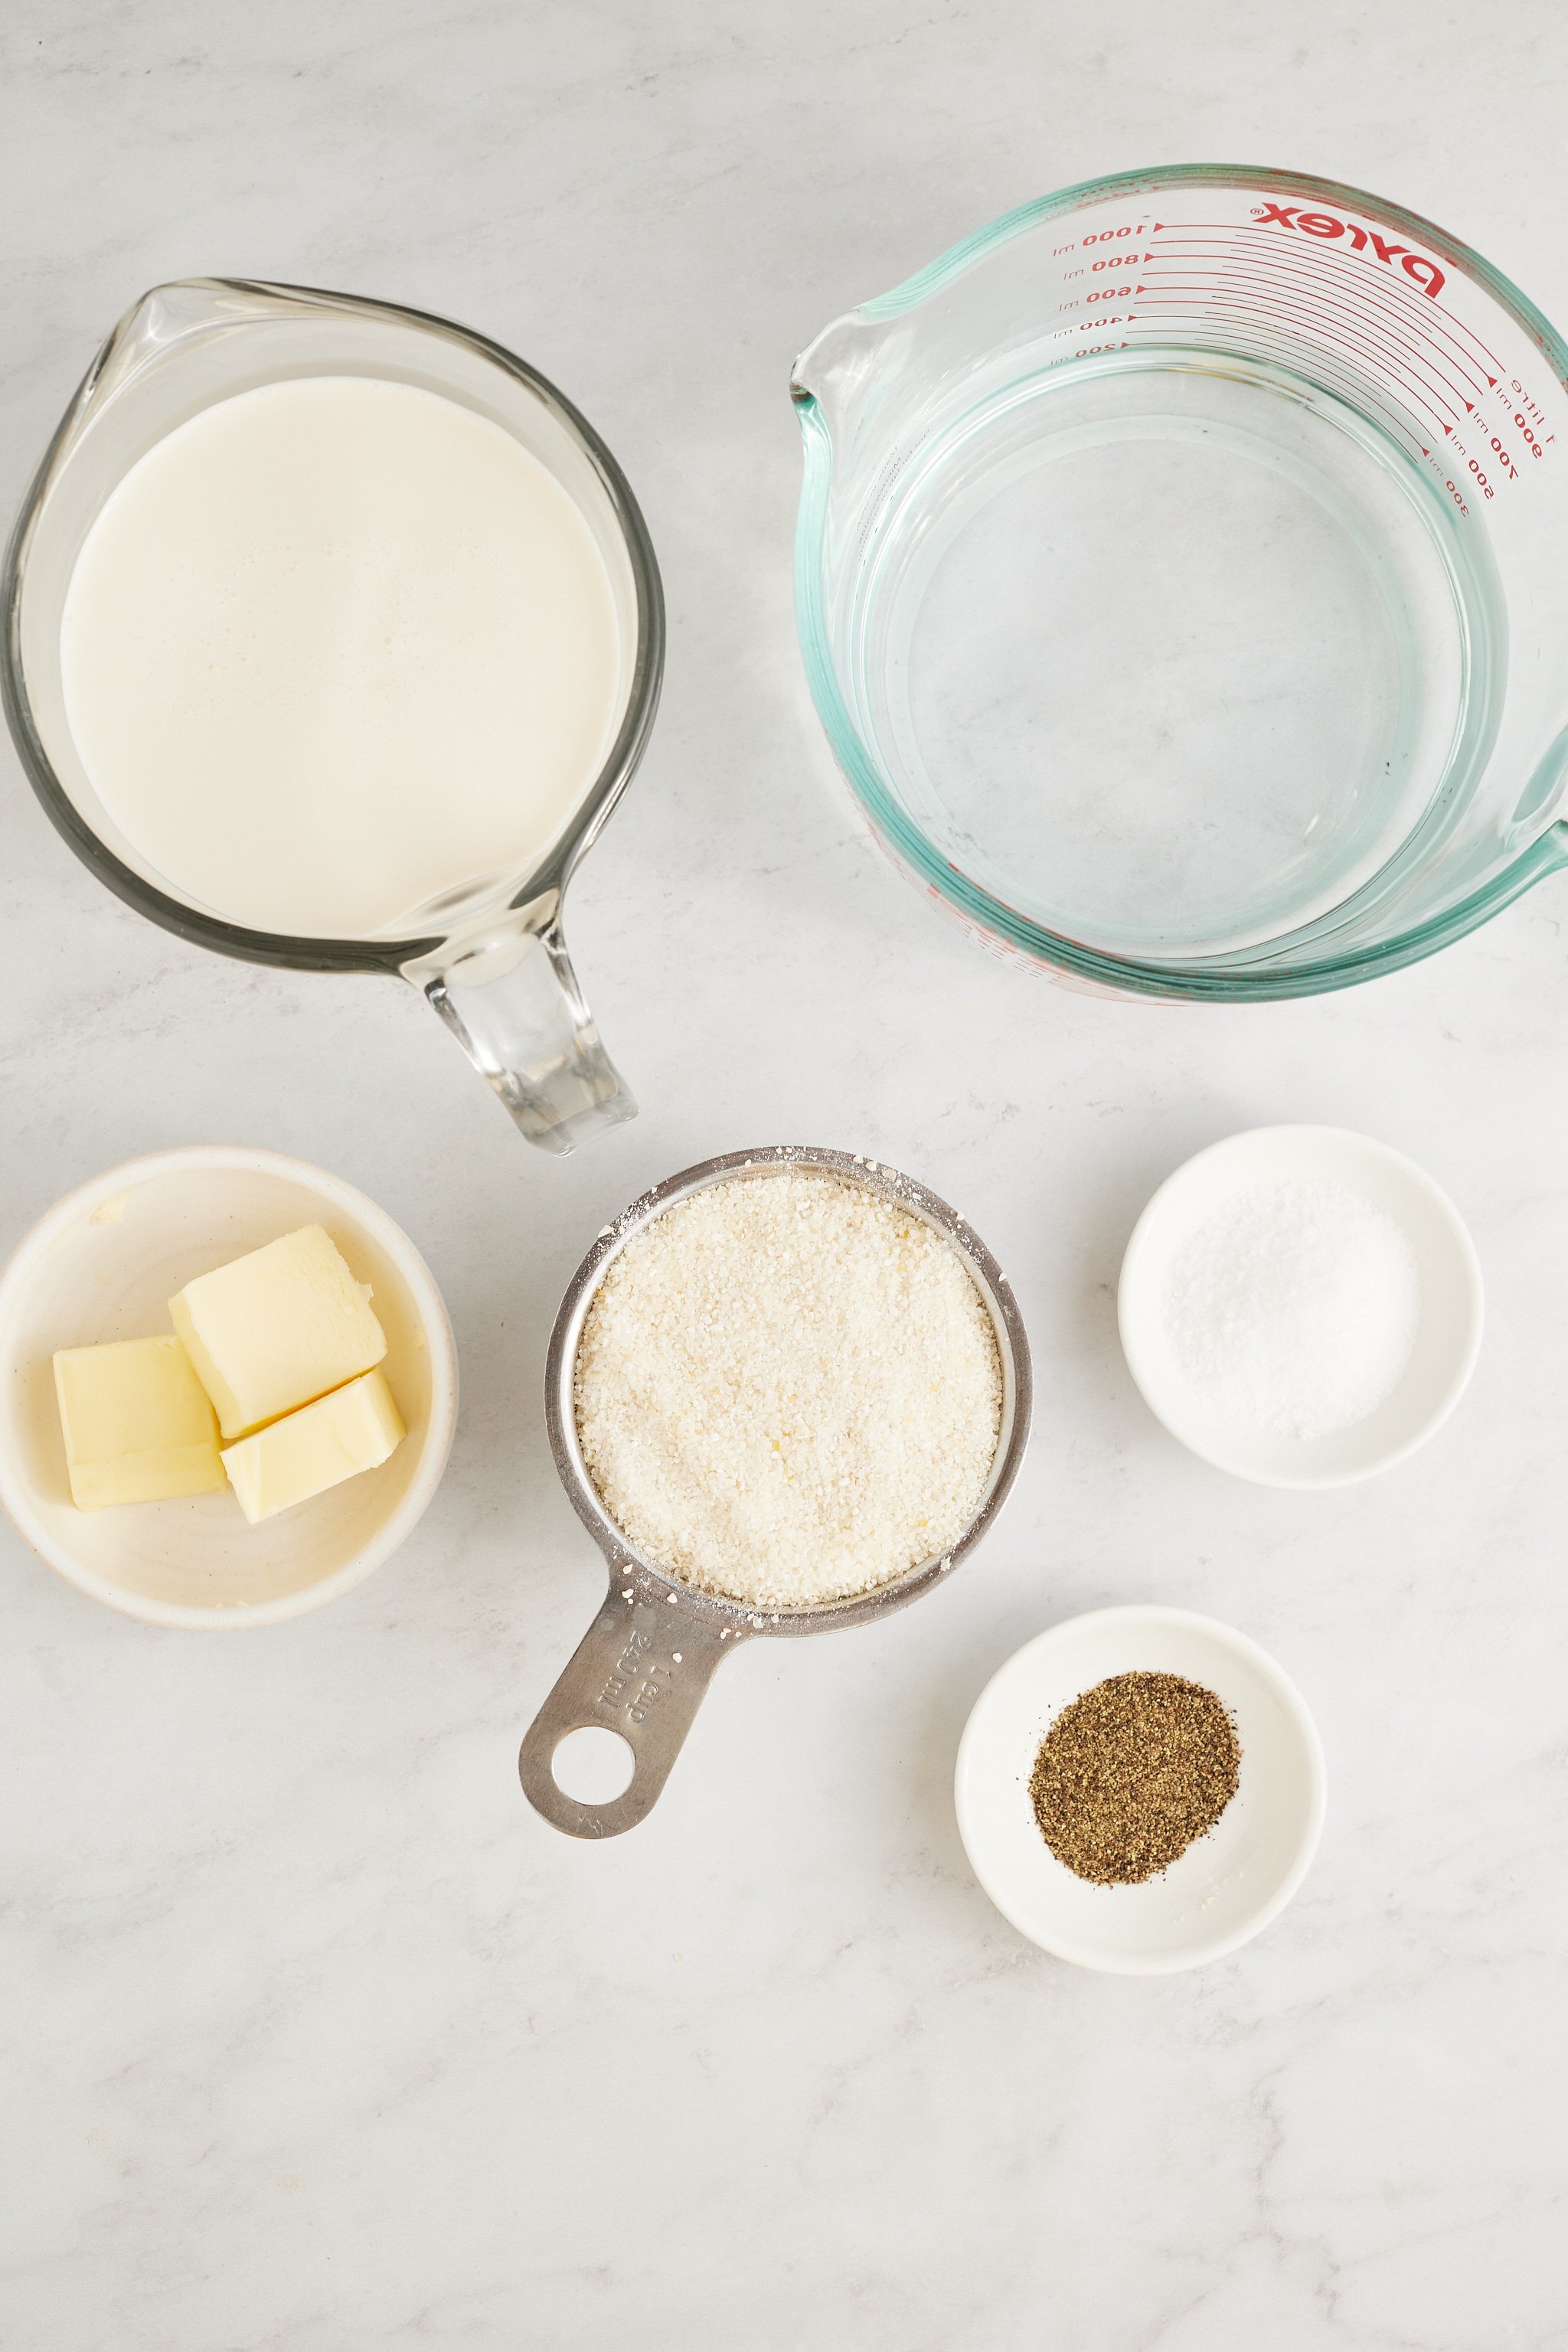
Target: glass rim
x,y
324,954
934,275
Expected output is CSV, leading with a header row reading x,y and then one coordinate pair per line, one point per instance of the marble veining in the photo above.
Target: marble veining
x,y
315,2037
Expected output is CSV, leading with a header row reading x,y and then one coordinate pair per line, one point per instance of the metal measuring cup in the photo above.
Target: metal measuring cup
x,y
646,1661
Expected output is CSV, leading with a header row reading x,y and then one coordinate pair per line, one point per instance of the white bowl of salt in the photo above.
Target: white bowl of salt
x,y
1301,1306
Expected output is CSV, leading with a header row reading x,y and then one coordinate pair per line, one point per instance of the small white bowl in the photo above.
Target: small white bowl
x,y
1228,1885
1447,1340
103,1264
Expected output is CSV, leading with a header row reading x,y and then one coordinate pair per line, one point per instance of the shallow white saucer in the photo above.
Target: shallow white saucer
x,y
1447,1340
103,1264
1228,1885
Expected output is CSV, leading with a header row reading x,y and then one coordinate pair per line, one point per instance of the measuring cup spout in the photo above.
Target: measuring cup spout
x,y
511,997
848,361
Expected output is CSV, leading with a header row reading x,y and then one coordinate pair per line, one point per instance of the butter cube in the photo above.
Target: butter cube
x,y
353,1429
137,1424
269,1332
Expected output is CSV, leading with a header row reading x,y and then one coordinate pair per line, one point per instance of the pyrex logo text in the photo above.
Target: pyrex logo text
x,y
1425,273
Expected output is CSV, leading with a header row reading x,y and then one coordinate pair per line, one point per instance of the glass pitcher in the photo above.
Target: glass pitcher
x,y
489,954
1181,586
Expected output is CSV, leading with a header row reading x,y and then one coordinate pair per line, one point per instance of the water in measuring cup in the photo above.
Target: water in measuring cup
x,y
1176,658
336,648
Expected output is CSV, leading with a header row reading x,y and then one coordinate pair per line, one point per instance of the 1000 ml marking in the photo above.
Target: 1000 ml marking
x,y
1099,236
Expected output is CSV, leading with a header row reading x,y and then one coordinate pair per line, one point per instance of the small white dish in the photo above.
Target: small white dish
x,y
103,1264
1228,1885
1447,1340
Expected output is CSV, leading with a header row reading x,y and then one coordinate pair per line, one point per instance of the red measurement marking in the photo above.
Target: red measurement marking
x,y
1311,358
1386,294
1326,306
1363,342
1244,306
1353,326
1250,230
1332,285
1316,367
1357,388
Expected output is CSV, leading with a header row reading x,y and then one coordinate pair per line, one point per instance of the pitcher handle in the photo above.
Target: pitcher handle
x,y
511,997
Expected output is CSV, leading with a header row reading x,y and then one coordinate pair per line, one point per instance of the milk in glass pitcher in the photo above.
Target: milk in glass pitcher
x,y
333,634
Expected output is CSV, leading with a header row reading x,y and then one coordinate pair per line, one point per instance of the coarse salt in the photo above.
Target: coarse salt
x,y
1294,1308
788,1390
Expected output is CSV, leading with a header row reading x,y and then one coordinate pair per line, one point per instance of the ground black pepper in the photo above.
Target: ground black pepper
x,y
1130,1773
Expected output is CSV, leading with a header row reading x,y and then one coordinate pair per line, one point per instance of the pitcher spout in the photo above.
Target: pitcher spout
x,y
851,360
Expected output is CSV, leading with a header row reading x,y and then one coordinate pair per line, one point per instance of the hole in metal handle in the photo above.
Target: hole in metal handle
x,y
594,1765
636,1676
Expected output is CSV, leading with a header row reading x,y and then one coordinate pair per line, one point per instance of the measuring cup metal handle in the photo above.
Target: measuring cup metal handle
x,y
641,1669
511,997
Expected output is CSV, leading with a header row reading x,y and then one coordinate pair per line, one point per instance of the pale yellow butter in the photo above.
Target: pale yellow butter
x,y
353,1429
137,1424
271,1332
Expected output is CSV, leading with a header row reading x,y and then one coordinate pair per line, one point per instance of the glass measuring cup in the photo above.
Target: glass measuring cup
x,y
489,954
1179,579
643,1667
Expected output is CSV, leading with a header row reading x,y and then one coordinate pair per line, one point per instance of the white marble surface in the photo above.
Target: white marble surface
x,y
314,2037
